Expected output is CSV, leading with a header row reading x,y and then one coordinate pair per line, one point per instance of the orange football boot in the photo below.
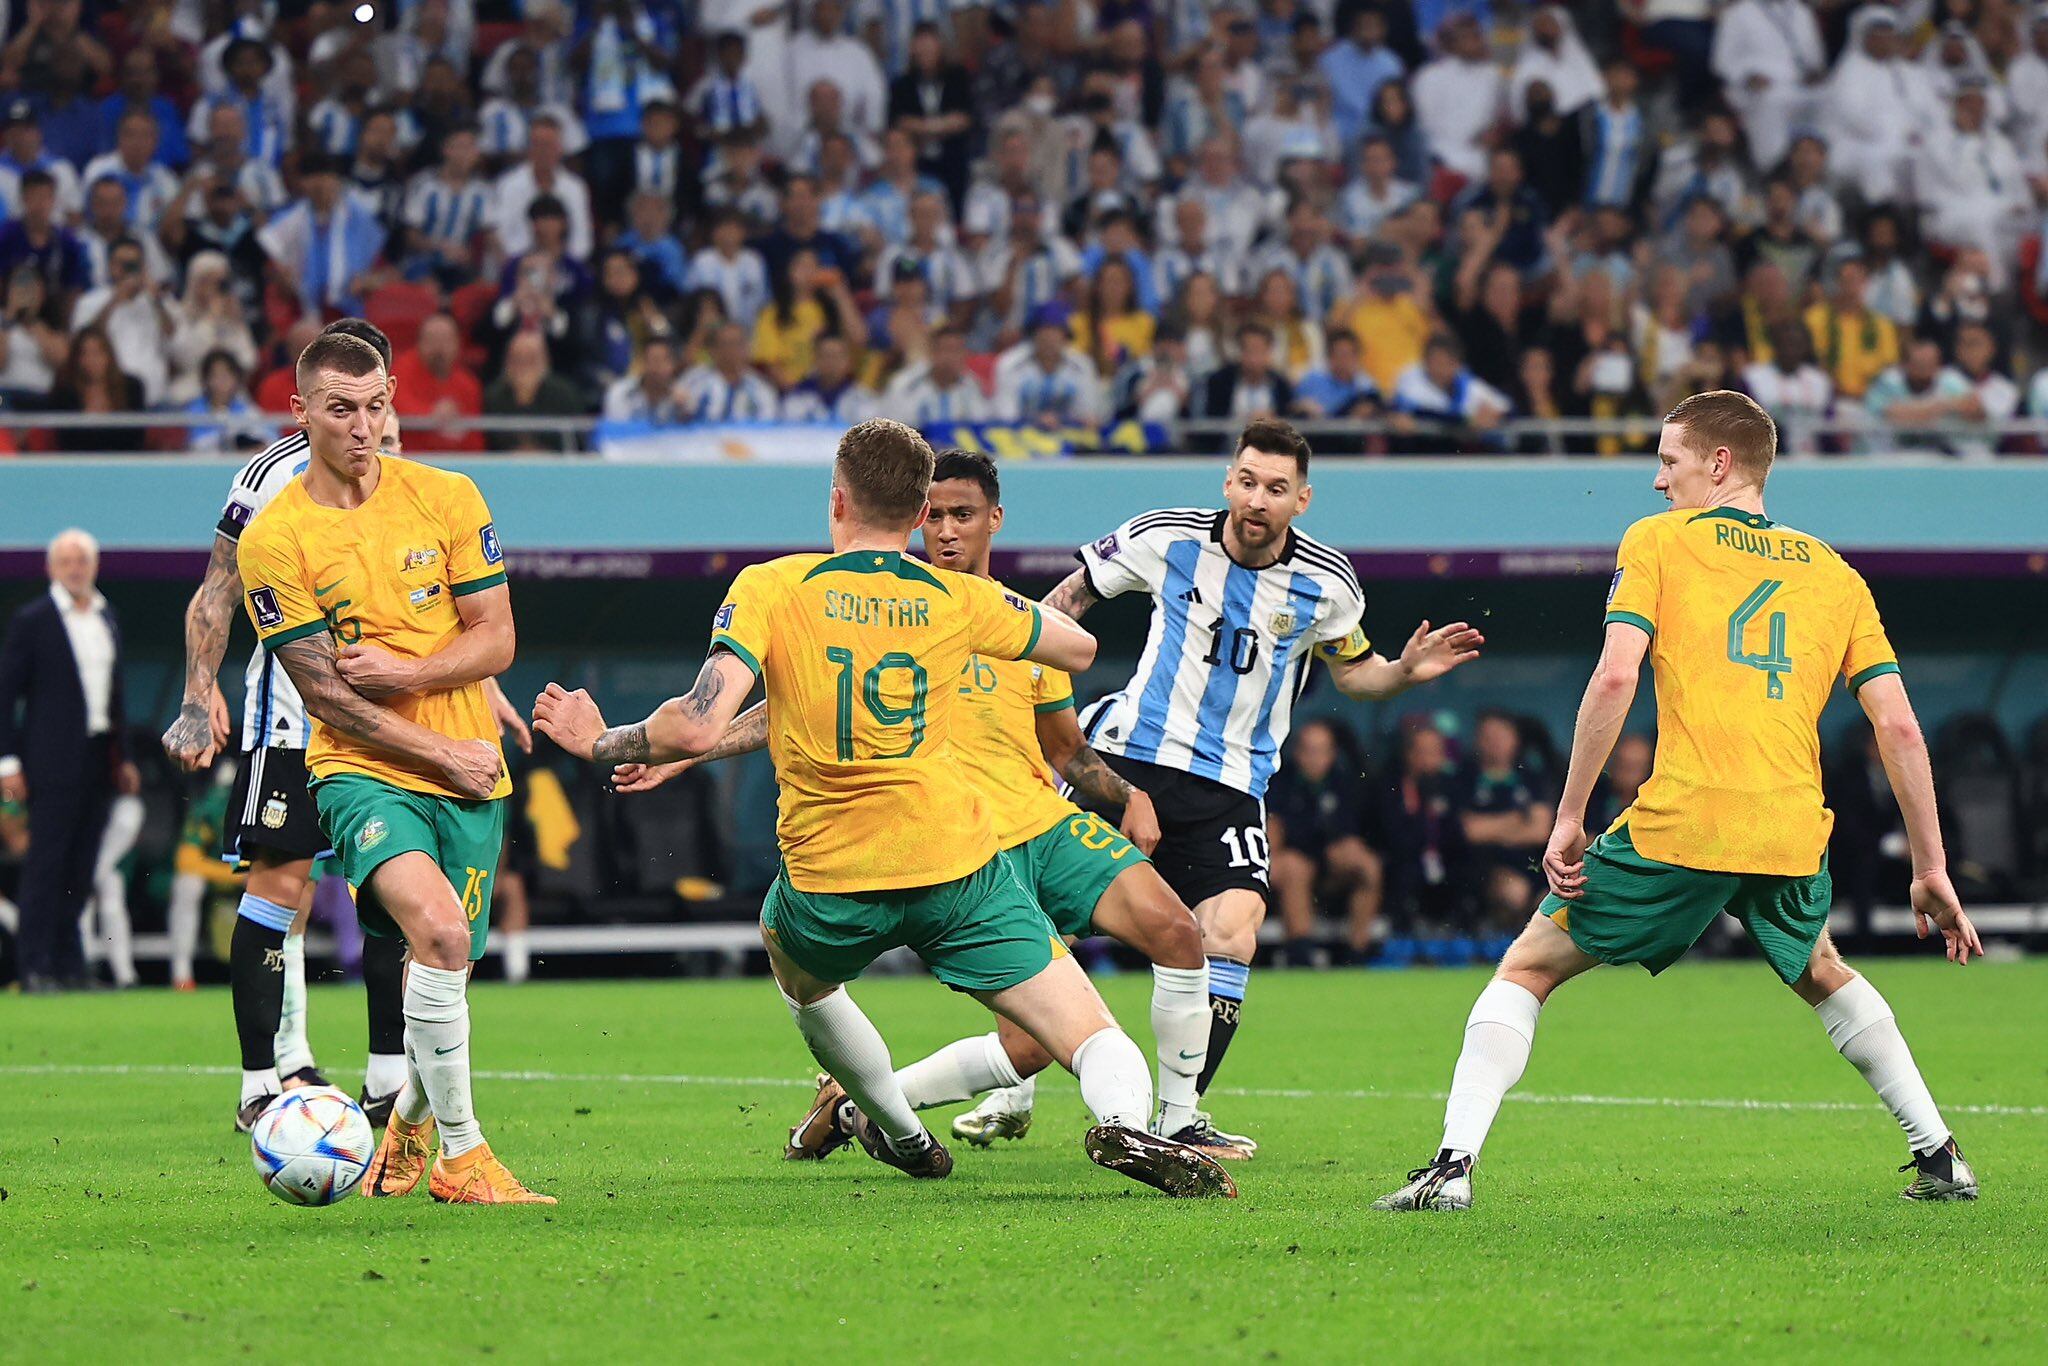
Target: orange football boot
x,y
477,1177
401,1159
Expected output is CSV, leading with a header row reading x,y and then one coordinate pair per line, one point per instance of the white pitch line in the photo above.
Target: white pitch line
x,y
1249,1092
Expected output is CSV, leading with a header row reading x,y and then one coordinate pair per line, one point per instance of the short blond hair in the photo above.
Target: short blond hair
x,y
1722,417
886,469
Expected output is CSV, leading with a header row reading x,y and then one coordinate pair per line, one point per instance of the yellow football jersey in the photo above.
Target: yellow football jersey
x,y
997,736
1750,624
860,653
388,573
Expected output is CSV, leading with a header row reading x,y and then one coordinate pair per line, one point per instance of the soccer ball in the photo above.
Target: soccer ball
x,y
311,1146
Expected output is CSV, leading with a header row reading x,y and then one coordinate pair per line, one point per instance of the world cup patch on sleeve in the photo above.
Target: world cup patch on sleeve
x,y
1613,586
488,539
263,603
237,512
1108,546
1016,602
723,620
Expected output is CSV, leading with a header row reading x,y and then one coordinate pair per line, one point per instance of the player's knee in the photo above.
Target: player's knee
x,y
443,942
1176,940
1025,1053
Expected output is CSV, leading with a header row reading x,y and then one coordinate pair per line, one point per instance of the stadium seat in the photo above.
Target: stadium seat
x,y
399,308
470,306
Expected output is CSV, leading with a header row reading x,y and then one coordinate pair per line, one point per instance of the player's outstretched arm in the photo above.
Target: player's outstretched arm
x,y
747,733
1904,751
1428,655
1093,781
1073,597
483,649
685,727
1062,642
202,726
1609,694
472,767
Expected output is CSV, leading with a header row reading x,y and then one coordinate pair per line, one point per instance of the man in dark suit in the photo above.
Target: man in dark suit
x,y
60,753
1250,388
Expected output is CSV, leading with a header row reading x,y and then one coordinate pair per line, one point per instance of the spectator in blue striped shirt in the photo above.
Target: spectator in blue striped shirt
x,y
447,215
725,101
955,288
142,89
266,120
150,187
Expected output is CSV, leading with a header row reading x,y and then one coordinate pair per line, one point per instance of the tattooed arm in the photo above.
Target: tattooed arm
x,y
472,767
202,727
685,727
747,733
1095,784
1073,596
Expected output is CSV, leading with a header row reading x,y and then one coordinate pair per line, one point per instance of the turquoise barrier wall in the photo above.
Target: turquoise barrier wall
x,y
1512,508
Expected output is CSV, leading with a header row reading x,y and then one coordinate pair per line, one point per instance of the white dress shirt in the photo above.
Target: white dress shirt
x,y
92,644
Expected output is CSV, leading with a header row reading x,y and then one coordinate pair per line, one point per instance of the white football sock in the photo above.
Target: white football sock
x,y
289,1045
384,1073
1012,1100
437,1041
1861,1027
1498,1036
960,1071
261,1081
847,1045
188,898
1116,1085
1180,1030
518,961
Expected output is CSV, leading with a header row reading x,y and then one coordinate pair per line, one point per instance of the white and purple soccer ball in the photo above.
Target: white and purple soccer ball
x,y
312,1146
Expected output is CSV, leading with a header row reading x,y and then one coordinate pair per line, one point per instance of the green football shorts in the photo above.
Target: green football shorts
x,y
1071,865
371,822
1637,910
982,932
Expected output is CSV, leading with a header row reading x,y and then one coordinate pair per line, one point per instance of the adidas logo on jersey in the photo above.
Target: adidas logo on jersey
x,y
1193,595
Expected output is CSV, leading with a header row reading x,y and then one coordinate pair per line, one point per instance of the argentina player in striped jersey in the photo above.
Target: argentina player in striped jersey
x,y
1241,604
272,827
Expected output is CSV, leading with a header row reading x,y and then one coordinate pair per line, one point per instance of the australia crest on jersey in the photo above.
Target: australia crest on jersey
x,y
420,559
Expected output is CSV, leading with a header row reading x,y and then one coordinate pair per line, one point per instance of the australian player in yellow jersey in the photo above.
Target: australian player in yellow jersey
x,y
380,586
1747,623
885,838
1017,724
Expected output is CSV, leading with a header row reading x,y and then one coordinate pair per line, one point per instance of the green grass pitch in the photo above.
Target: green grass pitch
x,y
1629,1206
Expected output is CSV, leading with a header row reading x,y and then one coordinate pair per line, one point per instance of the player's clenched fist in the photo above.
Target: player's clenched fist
x,y
473,768
570,719
374,672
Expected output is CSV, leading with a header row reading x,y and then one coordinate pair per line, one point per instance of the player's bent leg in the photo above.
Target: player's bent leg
x,y
1140,910
272,900
1861,1026
1005,1112
859,1096
1059,1007
1499,1034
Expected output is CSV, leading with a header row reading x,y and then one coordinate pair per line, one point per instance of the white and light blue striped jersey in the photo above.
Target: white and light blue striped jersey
x,y
708,396
947,273
1070,392
273,716
450,215
1173,267
334,127
740,281
151,190
1229,648
1322,279
725,103
1616,157
1042,276
810,401
917,399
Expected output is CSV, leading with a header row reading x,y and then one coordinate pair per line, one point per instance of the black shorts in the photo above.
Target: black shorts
x,y
1212,838
271,808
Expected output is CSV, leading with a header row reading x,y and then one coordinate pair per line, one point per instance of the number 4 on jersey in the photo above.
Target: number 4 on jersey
x,y
1776,664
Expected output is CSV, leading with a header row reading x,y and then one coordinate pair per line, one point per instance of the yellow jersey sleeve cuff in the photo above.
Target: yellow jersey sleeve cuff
x,y
283,638
1640,622
722,641
1858,679
1061,704
1037,628
461,590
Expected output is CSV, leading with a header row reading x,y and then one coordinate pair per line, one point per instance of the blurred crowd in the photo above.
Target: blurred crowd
x,y
1440,213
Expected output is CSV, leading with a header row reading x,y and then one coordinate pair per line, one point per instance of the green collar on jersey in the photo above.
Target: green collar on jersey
x,y
877,562
1751,519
